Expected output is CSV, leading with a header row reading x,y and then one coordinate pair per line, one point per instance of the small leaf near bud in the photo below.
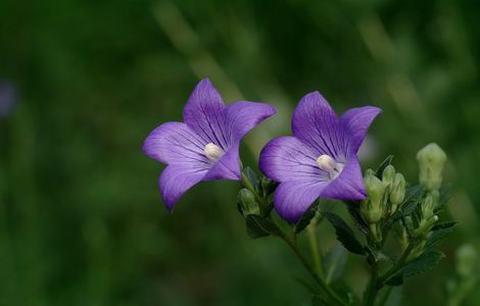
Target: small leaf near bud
x,y
431,160
247,203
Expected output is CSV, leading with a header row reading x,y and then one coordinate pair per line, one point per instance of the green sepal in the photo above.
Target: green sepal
x,y
439,232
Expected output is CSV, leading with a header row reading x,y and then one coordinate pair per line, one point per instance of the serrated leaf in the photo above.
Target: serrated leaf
x,y
425,262
354,210
345,234
306,218
334,263
258,226
383,165
439,232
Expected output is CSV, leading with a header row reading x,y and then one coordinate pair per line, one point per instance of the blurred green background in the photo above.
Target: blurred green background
x,y
81,219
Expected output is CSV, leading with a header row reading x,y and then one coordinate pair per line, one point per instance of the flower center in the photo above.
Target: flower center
x,y
213,152
328,164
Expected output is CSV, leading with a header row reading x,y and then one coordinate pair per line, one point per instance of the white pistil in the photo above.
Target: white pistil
x,y
213,152
328,164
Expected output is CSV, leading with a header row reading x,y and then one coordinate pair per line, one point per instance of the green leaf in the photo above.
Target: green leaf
x,y
383,165
306,218
439,232
345,234
258,226
425,262
354,210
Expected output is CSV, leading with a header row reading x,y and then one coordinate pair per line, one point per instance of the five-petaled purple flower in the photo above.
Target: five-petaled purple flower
x,y
320,160
205,146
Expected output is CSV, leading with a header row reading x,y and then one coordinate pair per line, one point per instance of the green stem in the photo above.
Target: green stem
x,y
317,259
329,292
399,265
372,288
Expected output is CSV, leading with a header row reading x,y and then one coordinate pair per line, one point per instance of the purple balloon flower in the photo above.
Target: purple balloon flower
x,y
205,146
320,160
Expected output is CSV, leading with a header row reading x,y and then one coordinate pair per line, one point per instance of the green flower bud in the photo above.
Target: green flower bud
x,y
388,175
397,193
431,160
372,208
247,203
466,260
429,204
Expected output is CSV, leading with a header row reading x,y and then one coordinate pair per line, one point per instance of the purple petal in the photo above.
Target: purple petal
x,y
357,121
176,180
205,114
243,116
348,186
315,123
175,142
227,167
287,158
292,199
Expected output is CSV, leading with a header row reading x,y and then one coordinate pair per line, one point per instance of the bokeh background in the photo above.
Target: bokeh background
x,y
83,83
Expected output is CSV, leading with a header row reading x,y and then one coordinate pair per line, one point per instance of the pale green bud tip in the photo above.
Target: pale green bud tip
x,y
467,258
388,175
397,195
430,203
375,187
247,203
431,160
372,208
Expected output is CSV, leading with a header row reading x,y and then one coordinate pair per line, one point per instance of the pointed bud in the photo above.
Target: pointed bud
x,y
247,203
397,193
372,208
429,204
388,175
431,160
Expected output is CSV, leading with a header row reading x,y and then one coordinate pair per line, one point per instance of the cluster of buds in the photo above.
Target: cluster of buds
x,y
254,198
431,161
385,194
